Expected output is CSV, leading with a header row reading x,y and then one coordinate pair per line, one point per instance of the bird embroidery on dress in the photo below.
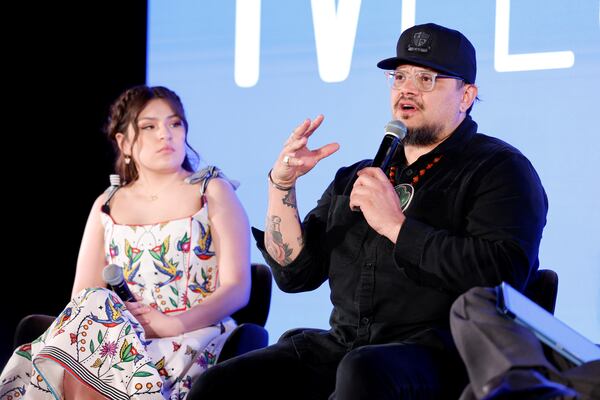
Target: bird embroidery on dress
x,y
202,251
202,288
130,268
62,318
160,367
206,359
169,267
114,316
129,273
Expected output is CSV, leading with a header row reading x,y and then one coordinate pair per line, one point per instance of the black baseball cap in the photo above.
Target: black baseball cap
x,y
436,47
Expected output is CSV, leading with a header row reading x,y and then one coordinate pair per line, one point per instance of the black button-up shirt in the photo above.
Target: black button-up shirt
x,y
476,219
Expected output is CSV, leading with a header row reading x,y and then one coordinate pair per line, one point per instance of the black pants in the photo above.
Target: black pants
x,y
316,367
493,346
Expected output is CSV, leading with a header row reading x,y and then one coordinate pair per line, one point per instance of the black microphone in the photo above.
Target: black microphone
x,y
395,131
113,275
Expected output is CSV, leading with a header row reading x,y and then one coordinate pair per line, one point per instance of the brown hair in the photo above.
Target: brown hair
x,y
126,109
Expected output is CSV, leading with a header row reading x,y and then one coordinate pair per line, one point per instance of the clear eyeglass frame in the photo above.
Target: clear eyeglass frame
x,y
423,80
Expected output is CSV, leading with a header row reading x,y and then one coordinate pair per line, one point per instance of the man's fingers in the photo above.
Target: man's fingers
x,y
300,130
314,125
290,160
357,200
326,151
373,172
297,144
367,181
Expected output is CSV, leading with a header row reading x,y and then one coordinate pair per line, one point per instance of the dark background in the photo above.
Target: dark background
x,y
66,63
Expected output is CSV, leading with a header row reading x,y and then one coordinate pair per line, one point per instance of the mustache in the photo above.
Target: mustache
x,y
412,99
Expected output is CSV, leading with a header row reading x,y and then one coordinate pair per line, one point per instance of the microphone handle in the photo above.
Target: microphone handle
x,y
384,155
386,151
390,154
122,290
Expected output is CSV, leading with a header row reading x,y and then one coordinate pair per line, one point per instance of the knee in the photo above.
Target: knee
x,y
92,292
209,384
380,372
358,366
475,297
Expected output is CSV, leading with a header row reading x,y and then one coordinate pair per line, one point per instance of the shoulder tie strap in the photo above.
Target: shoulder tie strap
x,y
206,174
115,184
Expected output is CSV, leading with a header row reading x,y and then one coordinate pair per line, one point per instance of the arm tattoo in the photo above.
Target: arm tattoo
x,y
279,250
290,198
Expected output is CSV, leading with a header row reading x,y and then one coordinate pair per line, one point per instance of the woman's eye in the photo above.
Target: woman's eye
x,y
147,127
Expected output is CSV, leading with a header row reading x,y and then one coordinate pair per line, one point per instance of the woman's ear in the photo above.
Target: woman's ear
x,y
123,143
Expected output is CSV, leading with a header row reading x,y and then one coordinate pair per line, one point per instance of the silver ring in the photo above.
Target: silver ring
x,y
286,160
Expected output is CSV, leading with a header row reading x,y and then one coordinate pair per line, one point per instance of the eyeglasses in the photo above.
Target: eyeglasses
x,y
423,80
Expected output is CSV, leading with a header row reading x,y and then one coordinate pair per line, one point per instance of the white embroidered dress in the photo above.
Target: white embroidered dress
x,y
172,266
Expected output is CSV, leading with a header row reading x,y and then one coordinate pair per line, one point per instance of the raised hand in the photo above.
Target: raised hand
x,y
296,159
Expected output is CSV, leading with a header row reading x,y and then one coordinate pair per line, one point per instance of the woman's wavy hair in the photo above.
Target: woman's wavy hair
x,y
125,111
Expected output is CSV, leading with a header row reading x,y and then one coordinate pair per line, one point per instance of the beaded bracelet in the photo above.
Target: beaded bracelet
x,y
277,186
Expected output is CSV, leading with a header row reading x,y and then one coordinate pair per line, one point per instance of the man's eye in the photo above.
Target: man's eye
x,y
426,78
400,77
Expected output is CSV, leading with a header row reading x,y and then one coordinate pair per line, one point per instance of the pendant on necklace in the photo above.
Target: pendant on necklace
x,y
406,192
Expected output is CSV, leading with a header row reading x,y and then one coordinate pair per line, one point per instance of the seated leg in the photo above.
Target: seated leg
x,y
399,371
73,389
275,372
501,356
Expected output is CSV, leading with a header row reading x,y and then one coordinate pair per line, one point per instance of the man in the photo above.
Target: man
x,y
472,215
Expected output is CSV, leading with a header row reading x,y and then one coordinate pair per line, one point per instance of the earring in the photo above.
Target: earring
x,y
127,160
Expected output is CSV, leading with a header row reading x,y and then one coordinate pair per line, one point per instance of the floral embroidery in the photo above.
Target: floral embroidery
x,y
172,267
108,349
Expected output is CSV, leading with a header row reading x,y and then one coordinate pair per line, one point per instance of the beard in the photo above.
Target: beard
x,y
425,135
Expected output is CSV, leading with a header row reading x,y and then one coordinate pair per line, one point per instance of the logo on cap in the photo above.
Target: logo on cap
x,y
420,43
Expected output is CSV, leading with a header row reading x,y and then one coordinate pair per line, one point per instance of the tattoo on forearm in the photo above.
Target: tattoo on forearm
x,y
279,250
290,198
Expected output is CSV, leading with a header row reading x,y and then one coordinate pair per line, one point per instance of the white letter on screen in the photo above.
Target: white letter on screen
x,y
504,62
334,36
247,42
409,10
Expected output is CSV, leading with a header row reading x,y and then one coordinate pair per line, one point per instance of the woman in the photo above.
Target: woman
x,y
181,239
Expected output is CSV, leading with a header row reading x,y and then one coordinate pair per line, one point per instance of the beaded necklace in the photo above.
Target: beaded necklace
x,y
406,191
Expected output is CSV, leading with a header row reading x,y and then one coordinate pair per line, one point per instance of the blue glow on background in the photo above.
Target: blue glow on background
x,y
550,115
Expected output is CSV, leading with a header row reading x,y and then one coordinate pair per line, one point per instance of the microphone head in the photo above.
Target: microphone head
x,y
396,128
112,274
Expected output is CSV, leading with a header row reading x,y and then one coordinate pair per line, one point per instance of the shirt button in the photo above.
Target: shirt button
x,y
365,320
369,265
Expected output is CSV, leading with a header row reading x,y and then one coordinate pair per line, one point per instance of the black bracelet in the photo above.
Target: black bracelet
x,y
277,186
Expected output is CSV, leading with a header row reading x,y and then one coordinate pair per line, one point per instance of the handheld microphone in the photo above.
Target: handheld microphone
x,y
113,275
395,131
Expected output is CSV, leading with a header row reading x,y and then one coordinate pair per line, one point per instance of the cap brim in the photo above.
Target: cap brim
x,y
394,62
389,63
